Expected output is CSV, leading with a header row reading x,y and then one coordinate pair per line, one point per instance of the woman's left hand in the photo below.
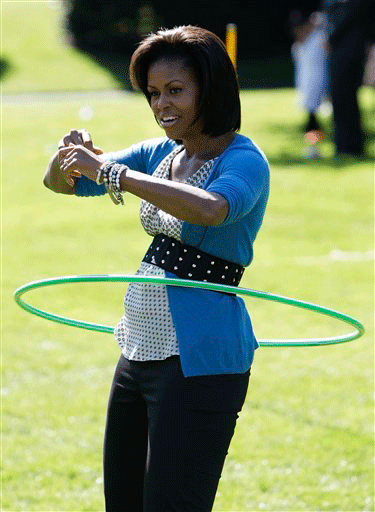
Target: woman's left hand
x,y
76,160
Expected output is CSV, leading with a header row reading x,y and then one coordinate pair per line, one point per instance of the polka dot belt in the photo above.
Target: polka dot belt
x,y
188,262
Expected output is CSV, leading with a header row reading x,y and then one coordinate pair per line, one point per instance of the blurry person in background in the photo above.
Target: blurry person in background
x,y
349,24
309,52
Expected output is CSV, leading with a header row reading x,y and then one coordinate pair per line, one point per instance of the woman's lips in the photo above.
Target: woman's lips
x,y
168,121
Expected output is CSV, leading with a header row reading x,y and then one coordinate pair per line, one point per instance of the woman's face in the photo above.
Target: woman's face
x,y
174,93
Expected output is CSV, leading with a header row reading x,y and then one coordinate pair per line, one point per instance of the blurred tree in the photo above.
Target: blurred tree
x,y
109,26
116,25
109,30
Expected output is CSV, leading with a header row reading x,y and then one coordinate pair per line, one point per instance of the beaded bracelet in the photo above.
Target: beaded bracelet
x,y
109,173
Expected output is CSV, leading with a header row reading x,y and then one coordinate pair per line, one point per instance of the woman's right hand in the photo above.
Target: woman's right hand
x,y
77,138
63,182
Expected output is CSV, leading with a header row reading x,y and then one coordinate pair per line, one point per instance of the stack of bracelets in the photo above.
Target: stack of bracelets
x,y
109,173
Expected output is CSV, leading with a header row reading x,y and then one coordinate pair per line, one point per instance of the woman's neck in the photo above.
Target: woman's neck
x,y
206,147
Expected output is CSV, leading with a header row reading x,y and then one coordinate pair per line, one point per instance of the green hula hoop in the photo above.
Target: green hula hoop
x,y
189,284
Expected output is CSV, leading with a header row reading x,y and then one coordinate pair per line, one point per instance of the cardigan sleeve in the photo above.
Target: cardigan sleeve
x,y
243,181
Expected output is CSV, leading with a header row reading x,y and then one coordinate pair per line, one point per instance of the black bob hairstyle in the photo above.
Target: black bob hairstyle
x,y
205,53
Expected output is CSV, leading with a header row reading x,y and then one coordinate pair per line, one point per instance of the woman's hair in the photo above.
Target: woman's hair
x,y
205,53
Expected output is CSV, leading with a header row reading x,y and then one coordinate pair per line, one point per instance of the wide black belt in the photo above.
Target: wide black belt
x,y
188,262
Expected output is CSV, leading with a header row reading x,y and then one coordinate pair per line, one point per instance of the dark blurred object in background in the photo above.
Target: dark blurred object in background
x,y
112,26
4,67
109,30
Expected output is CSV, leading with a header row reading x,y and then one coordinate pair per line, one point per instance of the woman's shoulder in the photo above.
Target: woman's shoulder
x,y
146,147
155,150
241,152
159,144
143,156
243,143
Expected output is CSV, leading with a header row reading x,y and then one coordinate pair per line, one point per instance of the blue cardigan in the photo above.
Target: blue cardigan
x,y
214,330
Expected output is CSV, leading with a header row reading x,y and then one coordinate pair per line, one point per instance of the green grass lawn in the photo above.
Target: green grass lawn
x,y
304,441
37,55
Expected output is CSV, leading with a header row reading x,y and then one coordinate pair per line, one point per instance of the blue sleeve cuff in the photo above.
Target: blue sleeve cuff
x,y
86,188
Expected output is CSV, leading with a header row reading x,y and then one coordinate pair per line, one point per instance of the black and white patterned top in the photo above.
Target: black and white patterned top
x,y
146,331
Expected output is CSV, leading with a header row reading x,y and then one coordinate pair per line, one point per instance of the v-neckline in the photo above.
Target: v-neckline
x,y
168,169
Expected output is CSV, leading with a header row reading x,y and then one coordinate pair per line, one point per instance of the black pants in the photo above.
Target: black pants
x,y
346,69
167,436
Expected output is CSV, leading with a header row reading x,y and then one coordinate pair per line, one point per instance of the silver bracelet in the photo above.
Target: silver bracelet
x,y
99,174
109,173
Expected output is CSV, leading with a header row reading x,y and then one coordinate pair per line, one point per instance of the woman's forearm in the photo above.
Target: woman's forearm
x,y
54,178
187,203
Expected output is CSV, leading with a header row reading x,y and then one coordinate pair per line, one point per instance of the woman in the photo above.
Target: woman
x,y
186,353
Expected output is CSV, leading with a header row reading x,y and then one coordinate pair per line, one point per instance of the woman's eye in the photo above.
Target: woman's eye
x,y
175,90
153,94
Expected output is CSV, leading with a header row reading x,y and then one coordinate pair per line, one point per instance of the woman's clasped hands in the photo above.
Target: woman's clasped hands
x,y
78,156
